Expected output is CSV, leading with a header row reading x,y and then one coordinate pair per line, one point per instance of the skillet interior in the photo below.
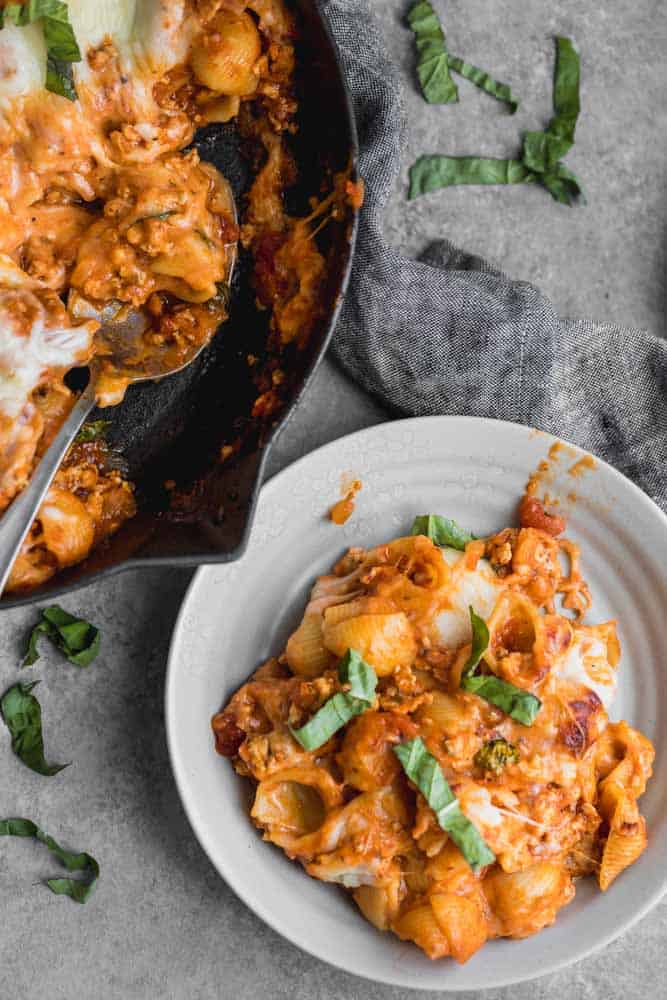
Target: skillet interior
x,y
174,430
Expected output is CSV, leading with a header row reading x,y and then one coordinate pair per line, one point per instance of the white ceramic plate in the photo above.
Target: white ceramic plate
x,y
237,615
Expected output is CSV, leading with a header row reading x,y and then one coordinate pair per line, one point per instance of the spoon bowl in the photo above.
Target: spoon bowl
x,y
125,352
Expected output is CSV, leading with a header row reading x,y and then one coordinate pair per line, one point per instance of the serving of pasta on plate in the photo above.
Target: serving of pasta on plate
x,y
435,737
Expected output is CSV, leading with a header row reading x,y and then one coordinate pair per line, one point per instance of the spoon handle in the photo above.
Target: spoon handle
x,y
20,514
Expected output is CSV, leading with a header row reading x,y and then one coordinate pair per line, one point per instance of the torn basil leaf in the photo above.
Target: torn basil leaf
x,y
442,531
480,642
432,63
425,772
77,889
429,173
93,430
519,704
75,637
61,46
353,670
494,88
338,710
22,715
543,150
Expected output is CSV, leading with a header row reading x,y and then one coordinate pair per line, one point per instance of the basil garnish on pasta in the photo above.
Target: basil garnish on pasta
x,y
77,889
61,46
425,772
442,531
517,703
22,715
342,706
75,637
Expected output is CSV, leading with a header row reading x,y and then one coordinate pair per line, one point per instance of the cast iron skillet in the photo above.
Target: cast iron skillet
x,y
174,430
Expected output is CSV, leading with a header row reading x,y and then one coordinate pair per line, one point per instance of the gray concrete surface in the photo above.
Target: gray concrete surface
x,y
163,924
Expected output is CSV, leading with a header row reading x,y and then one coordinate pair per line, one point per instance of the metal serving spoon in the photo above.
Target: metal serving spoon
x,y
120,353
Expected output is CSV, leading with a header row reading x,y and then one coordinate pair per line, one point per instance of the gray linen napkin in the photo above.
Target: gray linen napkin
x,y
448,334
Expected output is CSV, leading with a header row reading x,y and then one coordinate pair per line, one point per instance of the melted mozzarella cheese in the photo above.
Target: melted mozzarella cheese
x,y
479,588
92,22
576,664
22,61
25,354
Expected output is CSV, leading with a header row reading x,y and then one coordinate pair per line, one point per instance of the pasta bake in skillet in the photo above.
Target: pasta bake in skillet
x,y
435,736
108,214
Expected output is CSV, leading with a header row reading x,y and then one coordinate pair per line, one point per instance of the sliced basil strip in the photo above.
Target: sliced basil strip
x,y
342,706
517,703
22,715
432,65
425,772
494,88
520,705
480,642
78,890
441,531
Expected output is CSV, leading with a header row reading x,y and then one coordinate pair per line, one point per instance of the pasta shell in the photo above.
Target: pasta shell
x,y
360,606
448,715
306,654
380,903
621,850
524,902
420,925
67,527
385,641
223,58
463,922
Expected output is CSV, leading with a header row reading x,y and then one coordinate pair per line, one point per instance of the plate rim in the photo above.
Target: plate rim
x,y
236,885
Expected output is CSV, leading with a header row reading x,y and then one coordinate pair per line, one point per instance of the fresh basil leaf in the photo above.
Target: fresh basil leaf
x,y
353,670
520,705
92,431
542,150
337,711
566,100
429,173
17,13
22,715
61,45
432,63
496,755
59,36
78,890
500,91
425,772
441,531
332,716
480,642
562,185
75,637
60,79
